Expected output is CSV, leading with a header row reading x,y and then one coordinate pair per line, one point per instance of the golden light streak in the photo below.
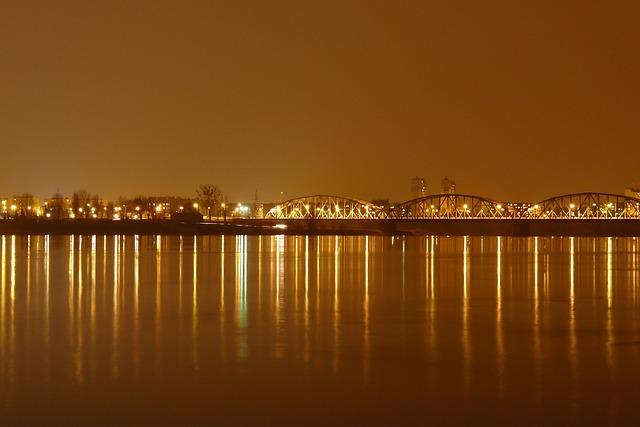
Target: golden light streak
x,y
12,319
241,297
28,277
336,313
307,347
433,267
634,269
573,340
366,365
79,322
71,284
222,308
117,267
430,313
609,327
180,268
158,322
466,342
499,327
3,310
92,312
536,321
195,354
280,281
47,307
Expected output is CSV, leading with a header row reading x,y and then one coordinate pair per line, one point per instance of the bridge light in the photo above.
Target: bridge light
x,y
307,207
572,206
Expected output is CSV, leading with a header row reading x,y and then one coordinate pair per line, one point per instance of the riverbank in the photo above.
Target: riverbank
x,y
386,227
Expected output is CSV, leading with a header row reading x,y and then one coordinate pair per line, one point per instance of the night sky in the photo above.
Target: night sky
x,y
514,100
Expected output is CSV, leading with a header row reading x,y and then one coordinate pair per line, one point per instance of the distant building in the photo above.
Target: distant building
x,y
418,187
57,207
165,206
384,203
520,209
23,205
447,186
632,192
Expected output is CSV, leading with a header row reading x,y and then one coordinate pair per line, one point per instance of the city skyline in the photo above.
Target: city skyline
x,y
219,198
513,101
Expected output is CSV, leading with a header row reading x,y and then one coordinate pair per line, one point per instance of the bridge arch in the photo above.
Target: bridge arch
x,y
324,206
587,205
452,206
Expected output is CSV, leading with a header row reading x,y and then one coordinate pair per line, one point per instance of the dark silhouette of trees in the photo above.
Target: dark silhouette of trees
x,y
56,207
25,204
87,205
209,198
80,201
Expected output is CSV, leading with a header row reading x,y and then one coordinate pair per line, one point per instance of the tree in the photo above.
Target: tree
x,y
79,202
140,204
56,207
209,197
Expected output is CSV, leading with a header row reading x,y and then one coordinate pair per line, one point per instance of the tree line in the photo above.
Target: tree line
x,y
209,202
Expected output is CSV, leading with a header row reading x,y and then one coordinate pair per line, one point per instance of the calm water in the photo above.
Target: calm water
x,y
319,330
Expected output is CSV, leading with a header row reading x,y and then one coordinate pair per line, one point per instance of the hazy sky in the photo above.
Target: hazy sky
x,y
514,100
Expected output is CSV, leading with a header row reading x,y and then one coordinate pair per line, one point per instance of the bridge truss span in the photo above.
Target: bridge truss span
x,y
452,206
326,207
587,205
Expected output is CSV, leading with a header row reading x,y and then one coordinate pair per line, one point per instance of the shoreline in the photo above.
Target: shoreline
x,y
380,227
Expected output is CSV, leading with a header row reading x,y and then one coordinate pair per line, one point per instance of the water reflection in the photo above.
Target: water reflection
x,y
473,318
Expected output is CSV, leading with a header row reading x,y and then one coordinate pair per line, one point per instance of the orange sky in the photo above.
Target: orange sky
x,y
517,101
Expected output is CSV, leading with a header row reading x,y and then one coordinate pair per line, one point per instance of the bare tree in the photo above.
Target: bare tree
x,y
141,205
80,201
56,207
209,197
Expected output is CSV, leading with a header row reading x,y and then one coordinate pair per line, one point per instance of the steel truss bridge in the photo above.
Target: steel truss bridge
x,y
570,206
322,206
443,206
451,206
587,205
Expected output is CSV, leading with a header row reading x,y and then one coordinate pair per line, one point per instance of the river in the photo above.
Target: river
x,y
320,330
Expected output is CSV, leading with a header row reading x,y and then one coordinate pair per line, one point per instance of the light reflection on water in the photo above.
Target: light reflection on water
x,y
199,327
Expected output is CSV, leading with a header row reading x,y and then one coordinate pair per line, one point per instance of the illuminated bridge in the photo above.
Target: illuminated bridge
x,y
586,205
570,206
451,206
322,206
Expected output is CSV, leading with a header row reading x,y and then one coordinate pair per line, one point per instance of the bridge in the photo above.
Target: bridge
x,y
326,207
452,206
587,205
